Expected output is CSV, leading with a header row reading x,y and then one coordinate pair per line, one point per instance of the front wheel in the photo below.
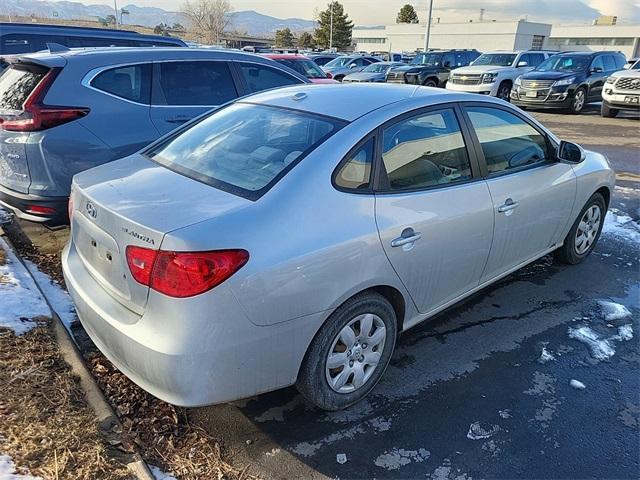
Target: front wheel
x,y
585,232
608,112
430,83
350,353
579,101
504,91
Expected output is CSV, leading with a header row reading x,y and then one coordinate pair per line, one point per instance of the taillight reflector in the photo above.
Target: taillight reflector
x,y
183,274
40,210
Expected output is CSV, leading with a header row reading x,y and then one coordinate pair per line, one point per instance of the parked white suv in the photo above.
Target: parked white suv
x,y
622,91
493,73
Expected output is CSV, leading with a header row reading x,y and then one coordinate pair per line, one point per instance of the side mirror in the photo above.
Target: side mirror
x,y
353,65
597,70
627,66
570,152
523,64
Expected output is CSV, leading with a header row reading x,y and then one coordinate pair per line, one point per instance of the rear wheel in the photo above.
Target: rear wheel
x,y
430,82
504,90
579,101
585,232
607,111
350,353
339,78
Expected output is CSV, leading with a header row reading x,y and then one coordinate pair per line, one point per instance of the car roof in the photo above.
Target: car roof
x,y
285,56
350,101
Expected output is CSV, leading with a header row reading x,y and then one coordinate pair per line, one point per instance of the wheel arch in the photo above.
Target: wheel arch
x,y
606,194
431,77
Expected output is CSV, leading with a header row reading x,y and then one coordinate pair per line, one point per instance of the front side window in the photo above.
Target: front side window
x,y
564,63
355,173
425,151
497,59
535,59
132,82
429,59
194,83
261,77
597,64
507,141
244,148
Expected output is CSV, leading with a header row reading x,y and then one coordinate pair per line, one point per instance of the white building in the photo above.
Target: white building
x,y
482,36
622,37
493,35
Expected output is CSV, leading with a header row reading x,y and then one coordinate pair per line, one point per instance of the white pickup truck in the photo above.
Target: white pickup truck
x,y
493,73
622,91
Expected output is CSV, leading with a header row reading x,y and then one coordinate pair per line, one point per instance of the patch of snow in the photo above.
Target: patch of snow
x,y
399,457
159,474
380,424
446,472
341,458
8,470
625,332
600,347
613,311
546,356
621,225
477,432
273,452
58,298
504,413
20,298
577,384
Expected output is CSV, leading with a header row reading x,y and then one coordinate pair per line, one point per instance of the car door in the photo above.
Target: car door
x,y
182,90
532,193
448,64
596,78
433,211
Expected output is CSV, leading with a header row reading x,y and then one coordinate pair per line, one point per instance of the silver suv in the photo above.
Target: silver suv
x,y
64,112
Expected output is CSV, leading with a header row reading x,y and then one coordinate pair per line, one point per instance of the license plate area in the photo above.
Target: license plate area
x,y
531,94
629,99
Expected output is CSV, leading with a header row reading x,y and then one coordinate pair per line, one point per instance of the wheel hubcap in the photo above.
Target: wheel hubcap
x,y
578,102
504,93
355,353
587,230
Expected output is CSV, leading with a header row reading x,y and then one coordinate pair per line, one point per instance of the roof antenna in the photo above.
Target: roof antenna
x,y
56,47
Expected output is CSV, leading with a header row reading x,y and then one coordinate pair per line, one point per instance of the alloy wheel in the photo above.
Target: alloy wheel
x,y
355,353
587,230
578,100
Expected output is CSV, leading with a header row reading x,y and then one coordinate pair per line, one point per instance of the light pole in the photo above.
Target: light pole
x,y
331,28
115,7
426,37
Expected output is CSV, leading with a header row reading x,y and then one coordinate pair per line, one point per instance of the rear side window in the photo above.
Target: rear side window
x,y
620,61
244,149
609,63
132,82
195,83
425,151
261,77
507,141
14,43
535,59
355,173
16,84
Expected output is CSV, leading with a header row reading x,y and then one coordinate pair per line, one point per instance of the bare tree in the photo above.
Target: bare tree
x,y
209,18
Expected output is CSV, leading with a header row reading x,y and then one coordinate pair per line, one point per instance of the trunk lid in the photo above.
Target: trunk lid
x,y
135,201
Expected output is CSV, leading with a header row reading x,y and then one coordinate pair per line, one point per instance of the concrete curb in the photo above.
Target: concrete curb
x,y
107,418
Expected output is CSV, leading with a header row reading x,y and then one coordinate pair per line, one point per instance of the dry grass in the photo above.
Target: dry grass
x,y
45,424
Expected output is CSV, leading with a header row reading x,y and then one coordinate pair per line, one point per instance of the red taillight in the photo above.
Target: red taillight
x,y
329,75
40,210
38,116
183,274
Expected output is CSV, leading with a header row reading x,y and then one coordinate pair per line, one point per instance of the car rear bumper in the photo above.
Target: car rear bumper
x,y
52,211
189,352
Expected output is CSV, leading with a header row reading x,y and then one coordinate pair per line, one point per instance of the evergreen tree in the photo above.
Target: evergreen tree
x,y
342,27
305,40
407,14
284,38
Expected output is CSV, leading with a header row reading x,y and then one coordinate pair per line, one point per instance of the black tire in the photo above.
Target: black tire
x,y
568,253
339,78
504,90
576,106
607,111
430,82
312,380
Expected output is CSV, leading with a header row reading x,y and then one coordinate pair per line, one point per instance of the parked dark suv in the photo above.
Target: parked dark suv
x,y
62,113
432,68
567,80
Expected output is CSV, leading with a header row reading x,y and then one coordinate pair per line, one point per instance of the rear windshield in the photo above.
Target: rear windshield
x,y
245,148
16,84
304,67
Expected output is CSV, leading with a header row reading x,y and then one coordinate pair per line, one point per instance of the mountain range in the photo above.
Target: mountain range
x,y
246,21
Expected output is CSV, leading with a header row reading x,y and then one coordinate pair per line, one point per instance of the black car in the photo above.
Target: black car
x,y
566,81
432,68
323,58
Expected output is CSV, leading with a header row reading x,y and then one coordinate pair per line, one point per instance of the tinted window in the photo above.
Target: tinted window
x,y
461,59
195,83
355,173
597,63
507,141
304,67
424,151
15,86
525,58
243,148
564,63
535,59
448,60
261,77
18,43
132,82
609,63
620,61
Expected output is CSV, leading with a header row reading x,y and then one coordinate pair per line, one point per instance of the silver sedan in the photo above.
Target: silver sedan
x,y
289,237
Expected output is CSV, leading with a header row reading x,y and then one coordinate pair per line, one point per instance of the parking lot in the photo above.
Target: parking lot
x,y
483,389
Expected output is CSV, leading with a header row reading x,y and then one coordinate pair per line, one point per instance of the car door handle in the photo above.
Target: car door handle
x,y
179,119
408,236
508,205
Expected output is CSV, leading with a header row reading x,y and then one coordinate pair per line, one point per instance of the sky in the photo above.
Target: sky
x,y
380,12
